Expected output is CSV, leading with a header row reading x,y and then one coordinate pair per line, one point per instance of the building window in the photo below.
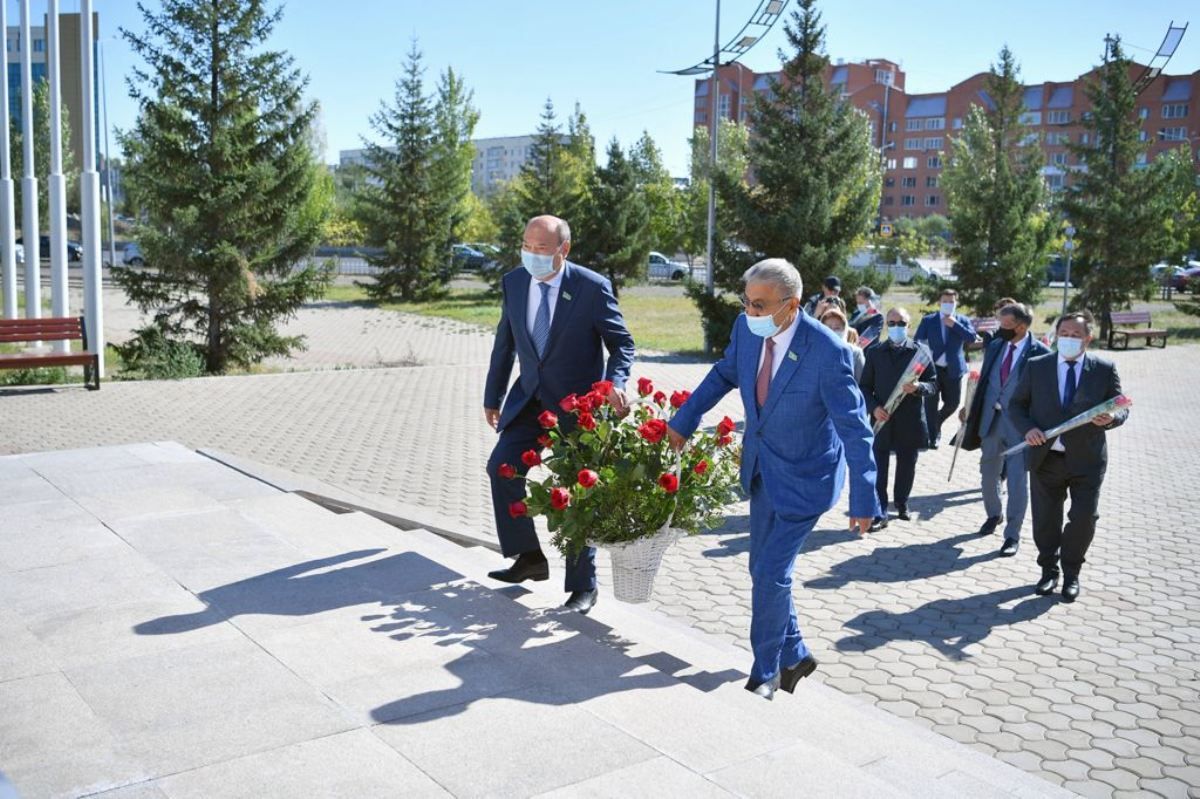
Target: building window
x,y
910,163
935,143
1084,138
1058,117
888,200
934,162
889,183
908,183
1143,135
1175,111
935,123
1059,159
932,200
958,123
914,124
1028,140
1143,113
931,182
884,76
1053,139
1054,182
1141,159
723,106
1030,118
891,128
913,144
891,163
39,45
1173,134
908,199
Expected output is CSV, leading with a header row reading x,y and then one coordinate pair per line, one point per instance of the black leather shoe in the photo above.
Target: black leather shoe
x,y
877,524
1047,584
1070,588
764,689
790,676
1009,547
527,566
902,514
582,601
990,525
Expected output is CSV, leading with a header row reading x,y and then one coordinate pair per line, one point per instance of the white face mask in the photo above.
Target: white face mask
x,y
1070,348
540,266
863,307
948,309
897,334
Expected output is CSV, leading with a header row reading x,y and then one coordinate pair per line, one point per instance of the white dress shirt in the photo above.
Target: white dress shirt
x,y
1062,390
783,340
535,297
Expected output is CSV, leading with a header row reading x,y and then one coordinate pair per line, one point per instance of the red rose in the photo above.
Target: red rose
x,y
587,478
918,368
518,509
645,387
679,397
531,458
724,441
653,430
546,441
506,471
701,467
587,421
669,483
725,426
597,399
560,498
974,376
660,398
569,403
547,420
603,387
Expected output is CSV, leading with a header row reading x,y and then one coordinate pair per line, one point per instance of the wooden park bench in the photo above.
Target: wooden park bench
x,y
988,324
1134,318
15,331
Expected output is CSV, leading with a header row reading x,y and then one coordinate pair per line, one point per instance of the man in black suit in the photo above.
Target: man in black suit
x,y
1051,390
906,431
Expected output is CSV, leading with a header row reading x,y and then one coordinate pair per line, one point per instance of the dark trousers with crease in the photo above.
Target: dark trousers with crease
x,y
1049,486
518,536
906,473
949,393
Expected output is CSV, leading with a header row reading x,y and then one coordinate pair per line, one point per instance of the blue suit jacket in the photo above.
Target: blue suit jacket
x,y
963,333
586,321
814,420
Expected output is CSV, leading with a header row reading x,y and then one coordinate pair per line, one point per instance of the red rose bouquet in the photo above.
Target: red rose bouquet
x,y
612,478
912,374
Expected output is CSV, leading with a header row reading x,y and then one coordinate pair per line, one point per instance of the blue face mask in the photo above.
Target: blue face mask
x,y
948,309
897,335
540,266
762,325
1069,348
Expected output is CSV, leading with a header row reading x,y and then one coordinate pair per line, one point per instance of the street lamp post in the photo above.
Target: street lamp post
x,y
1068,247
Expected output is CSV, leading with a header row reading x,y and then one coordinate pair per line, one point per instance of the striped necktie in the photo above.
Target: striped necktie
x,y
541,322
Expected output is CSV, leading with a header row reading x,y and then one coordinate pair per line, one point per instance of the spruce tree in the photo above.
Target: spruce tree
x,y
615,238
41,155
408,206
664,202
547,184
221,163
455,120
995,194
816,172
1123,209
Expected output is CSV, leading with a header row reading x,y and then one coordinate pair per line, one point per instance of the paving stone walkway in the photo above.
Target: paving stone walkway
x,y
923,619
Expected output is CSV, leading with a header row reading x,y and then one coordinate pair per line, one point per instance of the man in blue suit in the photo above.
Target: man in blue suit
x,y
805,417
557,318
945,332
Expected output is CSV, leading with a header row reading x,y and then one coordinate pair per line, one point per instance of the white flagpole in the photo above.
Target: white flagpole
x,y
8,226
30,230
89,188
56,184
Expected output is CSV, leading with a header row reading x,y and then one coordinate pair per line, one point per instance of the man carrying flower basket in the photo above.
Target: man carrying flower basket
x,y
557,318
804,419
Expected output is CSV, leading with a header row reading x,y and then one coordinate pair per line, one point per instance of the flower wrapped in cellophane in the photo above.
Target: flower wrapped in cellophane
x,y
1115,405
912,374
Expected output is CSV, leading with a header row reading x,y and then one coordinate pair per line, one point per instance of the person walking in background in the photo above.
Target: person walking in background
x,y
835,320
867,320
945,332
990,430
986,337
905,431
1052,389
831,287
557,318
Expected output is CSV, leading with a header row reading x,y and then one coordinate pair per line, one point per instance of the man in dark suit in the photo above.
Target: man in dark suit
x,y
868,321
830,288
989,429
906,431
945,332
1052,389
557,318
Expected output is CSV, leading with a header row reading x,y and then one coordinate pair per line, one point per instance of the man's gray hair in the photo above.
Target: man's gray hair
x,y
779,272
563,230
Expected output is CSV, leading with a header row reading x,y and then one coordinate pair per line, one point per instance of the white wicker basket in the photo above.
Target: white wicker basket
x,y
635,563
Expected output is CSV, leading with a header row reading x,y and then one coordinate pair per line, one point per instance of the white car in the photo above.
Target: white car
x,y
663,268
132,256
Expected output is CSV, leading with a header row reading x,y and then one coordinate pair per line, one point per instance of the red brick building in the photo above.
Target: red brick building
x,y
913,129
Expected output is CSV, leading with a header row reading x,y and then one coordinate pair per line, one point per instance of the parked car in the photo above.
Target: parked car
x,y
663,268
1056,270
467,259
132,255
74,250
1187,279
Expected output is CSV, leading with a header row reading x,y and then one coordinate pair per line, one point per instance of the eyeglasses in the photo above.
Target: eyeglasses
x,y
758,307
897,324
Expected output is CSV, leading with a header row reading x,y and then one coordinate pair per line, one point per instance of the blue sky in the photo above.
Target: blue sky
x,y
604,54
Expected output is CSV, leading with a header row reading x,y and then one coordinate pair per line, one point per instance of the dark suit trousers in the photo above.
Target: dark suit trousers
x,y
1048,489
518,535
906,472
949,391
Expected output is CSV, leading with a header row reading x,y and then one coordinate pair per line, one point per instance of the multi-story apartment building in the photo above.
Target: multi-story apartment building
x,y
912,130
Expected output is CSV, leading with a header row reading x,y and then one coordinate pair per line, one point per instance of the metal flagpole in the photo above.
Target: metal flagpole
x,y
31,232
108,173
89,189
56,183
8,227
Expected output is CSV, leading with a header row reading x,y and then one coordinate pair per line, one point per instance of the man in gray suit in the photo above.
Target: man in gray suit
x,y
991,431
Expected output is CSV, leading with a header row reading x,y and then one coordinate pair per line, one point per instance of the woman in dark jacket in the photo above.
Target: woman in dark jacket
x,y
906,431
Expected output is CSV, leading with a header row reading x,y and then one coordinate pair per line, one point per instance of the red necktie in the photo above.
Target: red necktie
x,y
764,374
1006,367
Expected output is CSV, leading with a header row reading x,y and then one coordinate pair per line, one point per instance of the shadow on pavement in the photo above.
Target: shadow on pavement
x,y
931,505
903,563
